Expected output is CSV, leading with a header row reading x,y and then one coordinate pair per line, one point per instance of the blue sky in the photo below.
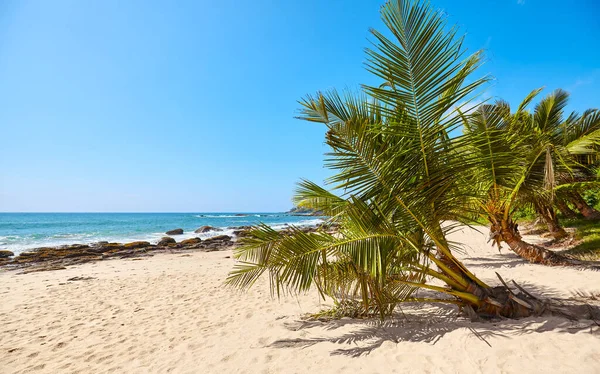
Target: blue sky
x,y
188,106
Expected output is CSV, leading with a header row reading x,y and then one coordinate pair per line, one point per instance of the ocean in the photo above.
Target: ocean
x,y
22,231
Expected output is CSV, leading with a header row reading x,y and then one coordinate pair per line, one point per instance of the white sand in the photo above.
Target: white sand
x,y
171,313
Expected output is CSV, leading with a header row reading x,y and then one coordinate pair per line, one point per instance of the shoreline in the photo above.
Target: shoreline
x,y
20,232
173,312
205,239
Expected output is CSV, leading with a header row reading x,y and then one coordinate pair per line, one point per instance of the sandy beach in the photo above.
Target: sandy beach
x,y
171,313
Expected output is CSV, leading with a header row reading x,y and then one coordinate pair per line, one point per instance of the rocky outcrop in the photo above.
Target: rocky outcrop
x,y
241,233
204,229
166,241
174,232
6,254
216,242
218,238
191,241
135,245
49,258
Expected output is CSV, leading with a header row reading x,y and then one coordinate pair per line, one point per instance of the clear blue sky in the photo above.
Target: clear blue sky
x,y
188,106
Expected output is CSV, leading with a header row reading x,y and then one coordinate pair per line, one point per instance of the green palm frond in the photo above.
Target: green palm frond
x,y
311,195
583,136
397,176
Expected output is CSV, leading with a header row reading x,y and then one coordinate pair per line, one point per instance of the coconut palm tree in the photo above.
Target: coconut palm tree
x,y
524,157
505,176
398,178
581,136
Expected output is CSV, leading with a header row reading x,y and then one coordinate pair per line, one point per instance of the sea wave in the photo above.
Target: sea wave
x,y
21,243
240,215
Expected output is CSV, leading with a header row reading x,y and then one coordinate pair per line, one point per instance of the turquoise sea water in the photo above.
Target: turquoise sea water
x,y
20,231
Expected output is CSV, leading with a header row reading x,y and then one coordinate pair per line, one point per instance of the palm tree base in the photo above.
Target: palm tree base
x,y
506,231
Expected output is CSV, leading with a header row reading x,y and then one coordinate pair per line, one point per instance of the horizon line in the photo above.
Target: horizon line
x,y
189,212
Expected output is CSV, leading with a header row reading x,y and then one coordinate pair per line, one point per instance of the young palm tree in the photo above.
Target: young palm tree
x,y
581,134
505,176
398,178
523,154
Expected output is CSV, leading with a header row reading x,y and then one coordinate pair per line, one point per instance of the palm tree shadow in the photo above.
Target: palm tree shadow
x,y
509,260
429,323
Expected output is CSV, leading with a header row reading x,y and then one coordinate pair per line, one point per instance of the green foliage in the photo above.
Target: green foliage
x,y
398,176
588,235
592,197
527,157
524,214
391,154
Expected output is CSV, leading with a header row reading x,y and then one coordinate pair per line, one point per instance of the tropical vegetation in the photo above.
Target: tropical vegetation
x,y
527,158
404,179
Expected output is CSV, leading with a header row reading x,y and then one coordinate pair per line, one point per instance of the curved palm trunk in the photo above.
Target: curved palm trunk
x,y
587,211
565,209
548,214
481,300
506,231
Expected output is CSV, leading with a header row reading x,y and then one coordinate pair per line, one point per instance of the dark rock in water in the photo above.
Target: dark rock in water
x,y
174,232
6,254
241,215
218,238
190,241
165,241
241,233
134,245
203,229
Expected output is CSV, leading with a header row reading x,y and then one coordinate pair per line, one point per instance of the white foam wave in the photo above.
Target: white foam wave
x,y
240,215
18,244
217,216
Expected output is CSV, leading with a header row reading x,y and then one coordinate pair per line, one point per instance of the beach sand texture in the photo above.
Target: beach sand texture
x,y
171,313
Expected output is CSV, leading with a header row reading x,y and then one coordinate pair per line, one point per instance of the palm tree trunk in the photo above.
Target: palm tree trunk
x,y
587,211
506,231
548,214
565,209
481,300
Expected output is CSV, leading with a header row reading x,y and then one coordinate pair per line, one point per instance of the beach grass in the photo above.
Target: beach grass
x,y
588,236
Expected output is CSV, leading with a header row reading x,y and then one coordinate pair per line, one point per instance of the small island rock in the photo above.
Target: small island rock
x,y
203,229
175,232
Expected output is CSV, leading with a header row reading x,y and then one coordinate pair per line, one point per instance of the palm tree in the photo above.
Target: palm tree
x,y
398,177
582,206
524,155
506,175
581,135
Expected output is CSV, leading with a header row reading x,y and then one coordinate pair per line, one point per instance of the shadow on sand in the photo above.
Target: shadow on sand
x,y
428,323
